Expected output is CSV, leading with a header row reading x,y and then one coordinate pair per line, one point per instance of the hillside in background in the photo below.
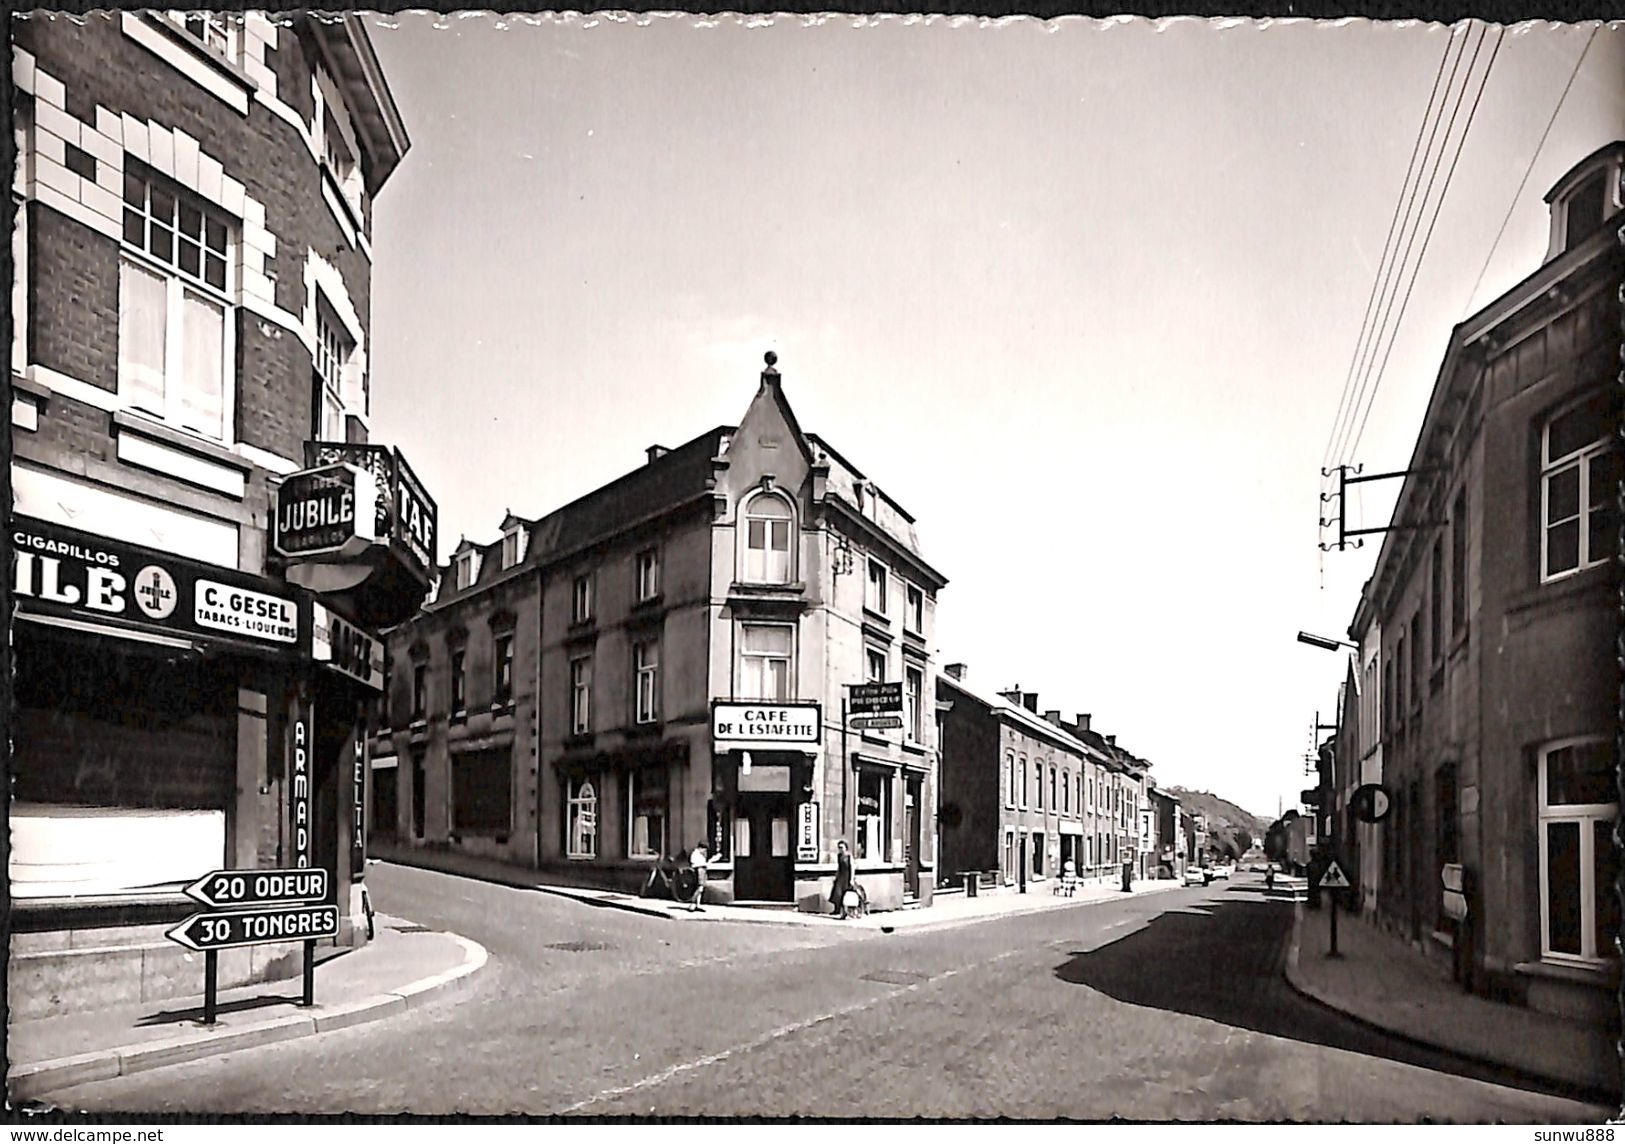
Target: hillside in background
x,y
1224,818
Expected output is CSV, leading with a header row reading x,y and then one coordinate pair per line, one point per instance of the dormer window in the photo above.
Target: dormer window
x,y
1585,199
768,523
467,567
513,546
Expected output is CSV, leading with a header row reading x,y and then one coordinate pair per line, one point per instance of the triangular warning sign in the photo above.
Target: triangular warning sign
x,y
1333,878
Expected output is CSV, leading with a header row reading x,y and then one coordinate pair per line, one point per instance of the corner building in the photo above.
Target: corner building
x,y
193,204
585,693
1487,635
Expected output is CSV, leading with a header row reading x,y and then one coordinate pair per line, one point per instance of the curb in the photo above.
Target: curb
x,y
1553,1086
30,1081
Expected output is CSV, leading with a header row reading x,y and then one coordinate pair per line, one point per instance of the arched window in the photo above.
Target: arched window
x,y
768,524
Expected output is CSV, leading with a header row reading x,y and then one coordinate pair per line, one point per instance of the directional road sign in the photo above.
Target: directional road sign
x,y
233,889
875,698
1333,878
208,932
877,722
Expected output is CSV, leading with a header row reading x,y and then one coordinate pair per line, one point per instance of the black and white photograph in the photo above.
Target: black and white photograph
x,y
615,567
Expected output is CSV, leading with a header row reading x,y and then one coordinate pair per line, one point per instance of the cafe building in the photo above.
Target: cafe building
x,y
192,240
730,644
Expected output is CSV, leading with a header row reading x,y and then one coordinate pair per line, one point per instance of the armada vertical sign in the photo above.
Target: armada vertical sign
x,y
301,746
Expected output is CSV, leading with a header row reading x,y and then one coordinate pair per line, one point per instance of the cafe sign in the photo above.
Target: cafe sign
x,y
766,723
326,511
404,515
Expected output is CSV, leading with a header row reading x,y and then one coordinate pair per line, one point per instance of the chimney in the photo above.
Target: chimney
x,y
957,671
656,452
1013,695
1054,717
1111,740
1083,722
1029,700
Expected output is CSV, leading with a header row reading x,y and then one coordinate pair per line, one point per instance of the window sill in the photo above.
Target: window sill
x,y
580,633
650,729
215,452
647,603
874,617
874,631
1563,590
577,739
188,55
1576,973
755,588
502,706
915,748
457,718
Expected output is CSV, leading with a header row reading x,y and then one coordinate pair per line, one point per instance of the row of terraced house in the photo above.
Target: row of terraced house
x,y
675,657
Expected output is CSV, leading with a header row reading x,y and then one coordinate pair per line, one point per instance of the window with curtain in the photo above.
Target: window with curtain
x,y
766,659
769,524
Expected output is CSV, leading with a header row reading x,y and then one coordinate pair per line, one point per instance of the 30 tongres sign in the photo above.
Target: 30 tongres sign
x,y
766,723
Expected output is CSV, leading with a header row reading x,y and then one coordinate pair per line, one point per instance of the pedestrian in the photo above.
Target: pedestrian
x,y
843,878
697,859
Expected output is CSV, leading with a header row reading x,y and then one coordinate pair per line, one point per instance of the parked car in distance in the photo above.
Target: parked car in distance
x,y
1222,870
1196,876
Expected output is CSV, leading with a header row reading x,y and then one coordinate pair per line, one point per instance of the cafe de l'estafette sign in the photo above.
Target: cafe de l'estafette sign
x,y
766,723
326,511
66,572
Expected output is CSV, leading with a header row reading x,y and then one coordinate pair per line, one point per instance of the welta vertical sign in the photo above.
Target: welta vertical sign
x,y
358,838
301,747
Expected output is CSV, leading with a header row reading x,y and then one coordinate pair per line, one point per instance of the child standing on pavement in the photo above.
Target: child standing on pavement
x,y
697,859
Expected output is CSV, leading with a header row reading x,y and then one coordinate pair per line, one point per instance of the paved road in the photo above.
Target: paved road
x,y
1158,1007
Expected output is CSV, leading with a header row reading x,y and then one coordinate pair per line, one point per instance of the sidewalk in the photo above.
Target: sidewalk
x,y
1381,981
400,968
944,910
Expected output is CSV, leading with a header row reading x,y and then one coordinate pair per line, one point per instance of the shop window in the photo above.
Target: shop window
x,y
914,618
914,707
646,669
175,358
1579,477
768,522
581,818
648,574
766,661
502,656
646,802
581,695
581,600
482,792
874,815
1579,863
875,592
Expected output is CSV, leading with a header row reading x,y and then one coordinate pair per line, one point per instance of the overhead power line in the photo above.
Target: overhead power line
x,y
1397,269
1529,170
1437,209
1387,243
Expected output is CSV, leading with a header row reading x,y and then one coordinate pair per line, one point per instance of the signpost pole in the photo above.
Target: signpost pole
x,y
310,974
211,983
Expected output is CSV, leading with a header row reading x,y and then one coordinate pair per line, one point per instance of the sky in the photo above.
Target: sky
x,y
1082,296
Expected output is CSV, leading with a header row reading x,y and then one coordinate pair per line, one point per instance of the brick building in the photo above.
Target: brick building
x,y
578,696
193,200
1497,607
1023,793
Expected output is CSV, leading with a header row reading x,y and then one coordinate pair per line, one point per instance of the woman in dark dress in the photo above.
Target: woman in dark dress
x,y
843,878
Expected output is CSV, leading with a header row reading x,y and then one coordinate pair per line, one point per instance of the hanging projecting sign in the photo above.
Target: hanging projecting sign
x,y
1370,802
404,516
65,571
345,648
875,698
765,722
328,511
